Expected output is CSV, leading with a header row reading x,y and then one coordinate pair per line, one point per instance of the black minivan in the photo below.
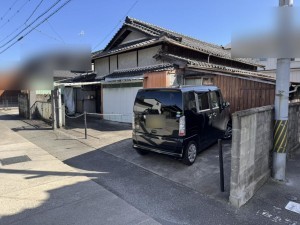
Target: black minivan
x,y
179,121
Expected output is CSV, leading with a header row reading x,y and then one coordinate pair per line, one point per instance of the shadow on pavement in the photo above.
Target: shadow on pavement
x,y
40,173
10,117
16,129
96,123
76,202
121,161
159,185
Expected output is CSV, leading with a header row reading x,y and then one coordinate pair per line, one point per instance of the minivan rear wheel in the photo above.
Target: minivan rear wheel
x,y
190,153
228,131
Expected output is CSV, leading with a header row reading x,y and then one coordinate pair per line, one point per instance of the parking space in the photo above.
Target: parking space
x,y
203,176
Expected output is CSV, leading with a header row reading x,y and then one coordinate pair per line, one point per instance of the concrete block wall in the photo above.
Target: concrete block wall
x,y
251,152
23,105
293,128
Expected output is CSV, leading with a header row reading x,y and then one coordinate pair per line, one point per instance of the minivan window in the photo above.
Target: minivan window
x,y
203,101
214,99
157,111
154,102
190,101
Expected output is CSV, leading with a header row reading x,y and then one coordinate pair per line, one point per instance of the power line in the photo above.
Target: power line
x,y
28,26
34,11
128,11
13,16
58,35
9,9
20,38
47,35
13,32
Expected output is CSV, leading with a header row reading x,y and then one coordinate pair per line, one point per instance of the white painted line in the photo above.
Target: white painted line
x,y
275,218
293,206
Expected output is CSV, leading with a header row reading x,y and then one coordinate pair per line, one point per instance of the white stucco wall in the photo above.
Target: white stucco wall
x,y
127,60
113,63
133,36
146,56
101,66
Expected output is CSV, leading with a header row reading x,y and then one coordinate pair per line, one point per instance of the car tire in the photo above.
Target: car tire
x,y
190,153
228,132
141,151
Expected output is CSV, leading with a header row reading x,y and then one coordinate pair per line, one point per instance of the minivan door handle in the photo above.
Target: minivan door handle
x,y
210,115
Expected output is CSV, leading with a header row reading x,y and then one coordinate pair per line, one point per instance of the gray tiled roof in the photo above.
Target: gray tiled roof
x,y
64,74
124,48
157,32
210,66
137,71
196,44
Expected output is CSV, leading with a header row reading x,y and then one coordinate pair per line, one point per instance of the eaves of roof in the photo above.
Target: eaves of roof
x,y
138,45
190,63
137,71
206,51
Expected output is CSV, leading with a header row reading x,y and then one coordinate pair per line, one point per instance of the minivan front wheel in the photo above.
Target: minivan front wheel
x,y
190,153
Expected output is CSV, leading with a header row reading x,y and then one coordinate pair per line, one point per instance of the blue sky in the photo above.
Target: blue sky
x,y
90,21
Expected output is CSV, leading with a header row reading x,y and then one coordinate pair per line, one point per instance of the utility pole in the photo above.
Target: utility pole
x,y
281,110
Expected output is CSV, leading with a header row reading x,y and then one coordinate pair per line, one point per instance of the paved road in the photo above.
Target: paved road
x,y
164,200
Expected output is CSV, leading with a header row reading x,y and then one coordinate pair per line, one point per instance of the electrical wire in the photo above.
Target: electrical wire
x,y
47,35
43,21
13,32
34,11
9,9
58,35
29,25
13,16
120,21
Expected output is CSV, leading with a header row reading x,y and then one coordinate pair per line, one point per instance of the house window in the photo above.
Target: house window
x,y
208,81
195,81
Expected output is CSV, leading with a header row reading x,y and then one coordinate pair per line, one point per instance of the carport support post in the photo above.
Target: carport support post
x,y
59,107
53,97
281,112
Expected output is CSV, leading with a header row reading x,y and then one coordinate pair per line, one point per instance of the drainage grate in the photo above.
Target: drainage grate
x,y
13,160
